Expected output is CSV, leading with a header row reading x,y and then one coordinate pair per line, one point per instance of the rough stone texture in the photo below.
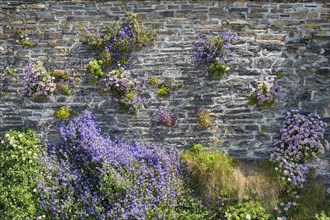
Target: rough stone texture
x,y
291,36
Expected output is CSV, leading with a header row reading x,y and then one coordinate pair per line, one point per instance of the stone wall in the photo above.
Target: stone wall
x,y
288,36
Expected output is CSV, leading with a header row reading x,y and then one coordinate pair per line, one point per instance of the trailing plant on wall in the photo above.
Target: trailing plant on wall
x,y
302,140
114,49
265,94
123,89
212,51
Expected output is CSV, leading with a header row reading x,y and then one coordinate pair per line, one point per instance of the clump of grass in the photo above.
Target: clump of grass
x,y
204,118
220,180
313,201
153,80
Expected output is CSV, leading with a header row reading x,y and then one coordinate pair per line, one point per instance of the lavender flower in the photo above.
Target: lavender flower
x,y
302,139
166,117
123,89
266,94
38,82
90,176
211,50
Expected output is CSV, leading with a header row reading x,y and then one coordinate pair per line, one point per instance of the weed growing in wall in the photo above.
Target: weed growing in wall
x,y
265,94
212,51
115,47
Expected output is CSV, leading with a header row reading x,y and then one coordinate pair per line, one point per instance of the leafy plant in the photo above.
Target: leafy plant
x,y
95,68
63,80
20,151
25,40
64,89
265,94
163,89
246,210
217,69
63,113
204,119
10,71
322,216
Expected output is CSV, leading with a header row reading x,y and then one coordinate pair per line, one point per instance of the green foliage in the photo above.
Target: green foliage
x,y
64,89
164,89
27,43
10,71
153,80
211,174
63,113
192,209
217,69
19,155
313,201
322,216
246,210
95,69
280,74
204,119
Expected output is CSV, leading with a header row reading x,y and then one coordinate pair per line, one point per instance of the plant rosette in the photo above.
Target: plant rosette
x,y
265,94
218,69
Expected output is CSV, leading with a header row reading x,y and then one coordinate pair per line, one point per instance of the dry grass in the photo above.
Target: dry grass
x,y
218,178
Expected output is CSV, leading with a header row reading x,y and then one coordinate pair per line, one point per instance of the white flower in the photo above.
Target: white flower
x,y
248,217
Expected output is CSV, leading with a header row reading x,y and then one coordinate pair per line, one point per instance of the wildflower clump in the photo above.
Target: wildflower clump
x,y
204,118
166,117
302,140
89,176
38,81
212,51
114,49
63,113
124,90
265,94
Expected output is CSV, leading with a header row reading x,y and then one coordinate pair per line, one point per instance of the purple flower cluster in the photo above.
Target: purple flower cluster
x,y
301,140
266,94
211,50
166,117
115,48
38,82
123,89
89,176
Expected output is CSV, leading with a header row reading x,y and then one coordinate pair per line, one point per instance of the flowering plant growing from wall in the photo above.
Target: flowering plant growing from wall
x,y
123,89
302,139
25,40
114,49
38,82
166,117
89,176
265,94
212,51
